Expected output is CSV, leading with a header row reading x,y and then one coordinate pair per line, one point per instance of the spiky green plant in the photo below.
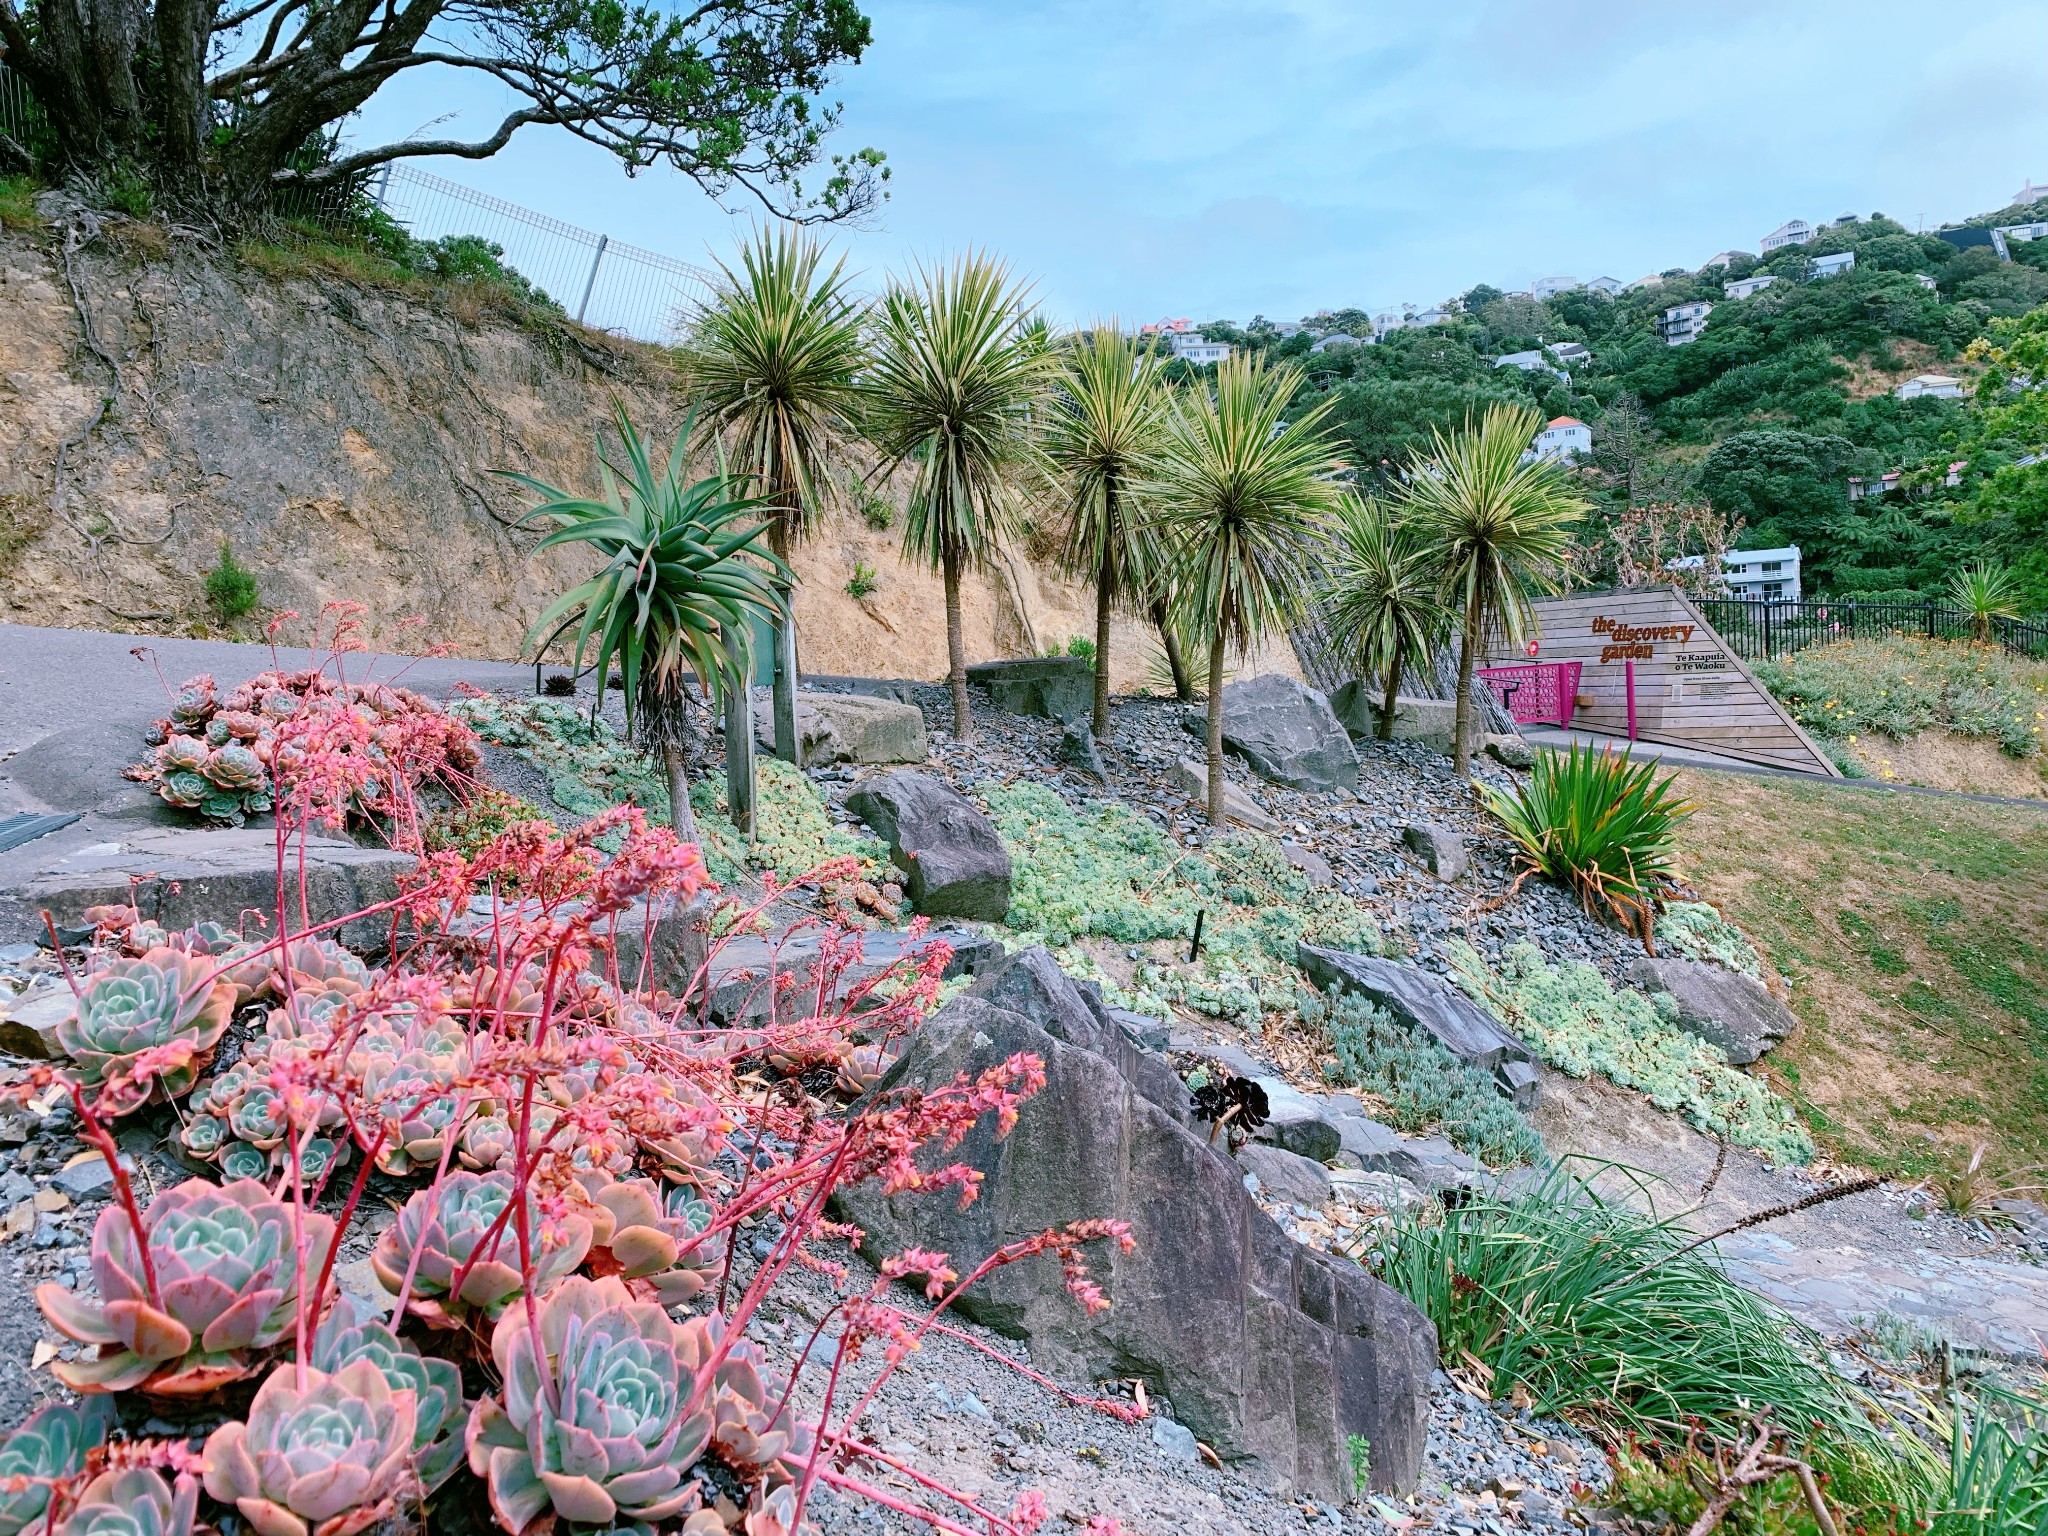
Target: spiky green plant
x,y
1601,824
1986,592
1997,1467
1107,416
1382,597
683,570
771,360
950,393
1499,529
1237,491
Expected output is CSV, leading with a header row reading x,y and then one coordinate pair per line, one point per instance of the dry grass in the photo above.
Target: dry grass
x,y
1916,938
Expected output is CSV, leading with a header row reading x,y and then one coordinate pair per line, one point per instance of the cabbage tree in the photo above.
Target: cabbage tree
x,y
1381,597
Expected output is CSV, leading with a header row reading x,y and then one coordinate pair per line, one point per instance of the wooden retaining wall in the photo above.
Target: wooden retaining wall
x,y
1691,690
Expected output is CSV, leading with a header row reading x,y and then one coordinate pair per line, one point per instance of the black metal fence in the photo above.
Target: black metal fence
x,y
1756,630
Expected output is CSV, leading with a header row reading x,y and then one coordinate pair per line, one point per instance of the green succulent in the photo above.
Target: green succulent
x,y
51,1443
353,1332
239,1160
130,1006
452,1228
185,789
135,1502
234,767
321,1451
204,1136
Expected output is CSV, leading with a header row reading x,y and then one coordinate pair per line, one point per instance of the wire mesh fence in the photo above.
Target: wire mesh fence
x,y
1755,630
600,281
20,119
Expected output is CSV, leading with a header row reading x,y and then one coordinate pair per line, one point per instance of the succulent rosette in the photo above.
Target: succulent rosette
x,y
759,1441
51,1443
321,965
182,754
617,1447
416,1097
134,1502
353,1332
322,1454
486,1142
226,1284
239,1160
641,1242
129,1006
204,1136
468,1260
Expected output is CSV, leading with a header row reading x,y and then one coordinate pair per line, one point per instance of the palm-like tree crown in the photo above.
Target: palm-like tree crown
x,y
1382,594
1501,526
1104,427
1237,492
950,391
771,361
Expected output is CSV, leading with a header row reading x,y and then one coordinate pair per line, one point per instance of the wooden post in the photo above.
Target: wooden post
x,y
1628,682
739,739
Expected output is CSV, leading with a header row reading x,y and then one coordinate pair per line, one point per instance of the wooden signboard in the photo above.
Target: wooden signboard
x,y
1688,689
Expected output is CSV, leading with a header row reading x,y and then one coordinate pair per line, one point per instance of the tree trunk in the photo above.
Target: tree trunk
x,y
739,742
1468,652
1386,731
1215,731
956,653
1105,585
1183,685
680,816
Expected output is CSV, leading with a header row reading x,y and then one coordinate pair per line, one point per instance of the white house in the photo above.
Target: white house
x,y
1743,287
1284,327
1682,323
2032,192
1607,285
1835,265
1792,232
1644,282
1725,259
1563,439
1938,386
1197,350
1341,339
1532,361
1925,280
1758,575
1571,353
1550,287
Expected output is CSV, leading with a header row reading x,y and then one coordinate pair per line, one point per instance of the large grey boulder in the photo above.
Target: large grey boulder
x,y
1285,1175
1721,1006
1077,749
1192,778
957,866
180,876
1358,707
1285,730
1423,1001
1441,849
1056,687
849,728
1269,1351
1295,1122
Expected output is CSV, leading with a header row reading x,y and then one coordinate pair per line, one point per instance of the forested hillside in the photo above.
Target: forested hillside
x,y
1785,395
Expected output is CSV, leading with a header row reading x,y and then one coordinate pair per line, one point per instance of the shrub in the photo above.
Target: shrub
x,y
1422,1086
1081,646
863,581
1900,686
18,203
1575,1021
1590,1308
877,511
231,591
1600,824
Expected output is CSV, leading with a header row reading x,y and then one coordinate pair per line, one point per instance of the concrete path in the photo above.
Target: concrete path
x,y
53,679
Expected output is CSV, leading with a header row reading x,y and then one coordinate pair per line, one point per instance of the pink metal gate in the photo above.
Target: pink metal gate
x,y
1540,693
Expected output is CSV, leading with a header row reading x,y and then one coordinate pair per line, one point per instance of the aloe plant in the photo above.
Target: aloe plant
x,y
51,1443
321,1453
592,1426
130,1006
462,1257
220,1279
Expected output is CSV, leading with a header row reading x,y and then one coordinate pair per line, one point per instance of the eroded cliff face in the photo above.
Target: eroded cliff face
x,y
158,397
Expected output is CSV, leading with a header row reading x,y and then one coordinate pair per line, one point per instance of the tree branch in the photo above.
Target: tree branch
x,y
482,149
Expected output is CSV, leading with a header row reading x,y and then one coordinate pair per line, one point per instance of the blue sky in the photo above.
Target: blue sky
x,y
1216,159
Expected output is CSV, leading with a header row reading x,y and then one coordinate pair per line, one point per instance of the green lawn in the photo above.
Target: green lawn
x,y
1915,933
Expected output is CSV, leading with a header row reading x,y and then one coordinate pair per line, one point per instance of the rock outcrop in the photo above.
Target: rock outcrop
x,y
1271,1352
849,728
1721,1006
1286,732
955,863
1055,687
